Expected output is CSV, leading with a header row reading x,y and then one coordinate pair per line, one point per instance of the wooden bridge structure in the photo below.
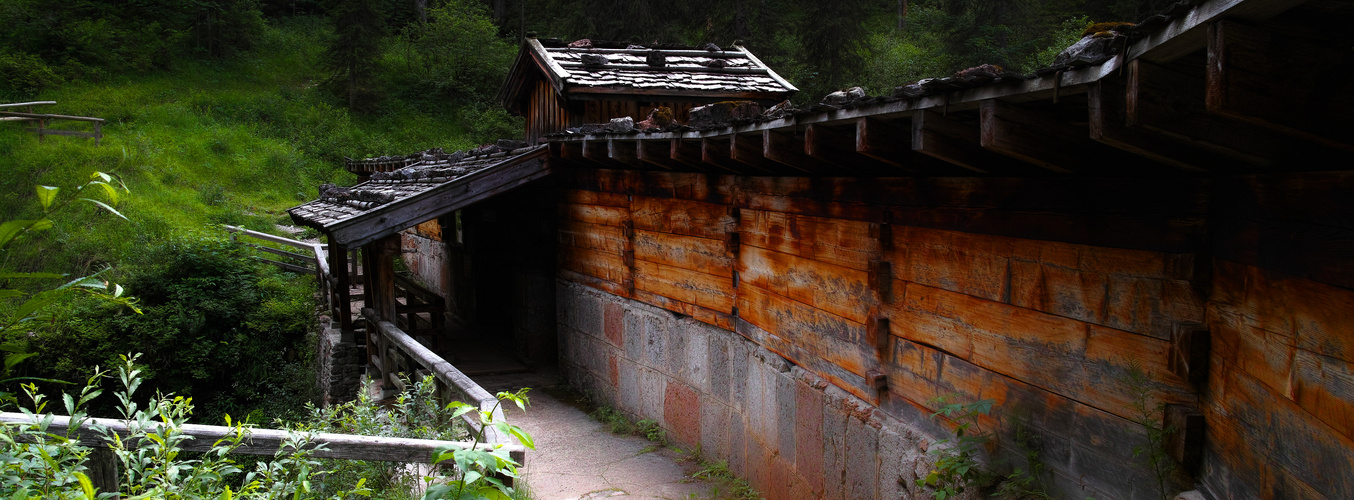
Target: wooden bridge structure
x,y
43,119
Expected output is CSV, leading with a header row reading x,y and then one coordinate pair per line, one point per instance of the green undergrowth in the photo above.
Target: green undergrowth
x,y
234,141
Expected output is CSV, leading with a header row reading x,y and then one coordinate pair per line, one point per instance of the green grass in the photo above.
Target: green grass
x,y
206,143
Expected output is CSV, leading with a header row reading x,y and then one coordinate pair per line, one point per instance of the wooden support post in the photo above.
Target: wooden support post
x,y
98,132
1109,126
788,149
1034,137
1166,102
889,144
835,148
624,152
686,152
881,279
950,140
102,470
338,262
1189,352
657,153
747,150
1282,82
716,152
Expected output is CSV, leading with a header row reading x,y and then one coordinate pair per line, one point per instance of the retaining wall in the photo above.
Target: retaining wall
x,y
789,432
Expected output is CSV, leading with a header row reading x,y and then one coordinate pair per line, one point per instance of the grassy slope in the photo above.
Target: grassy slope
x,y
233,142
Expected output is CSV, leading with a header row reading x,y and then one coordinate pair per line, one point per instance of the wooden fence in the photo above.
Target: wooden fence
x,y
43,118
263,442
390,348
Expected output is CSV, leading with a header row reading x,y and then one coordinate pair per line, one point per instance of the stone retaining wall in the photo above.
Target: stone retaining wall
x,y
341,363
784,429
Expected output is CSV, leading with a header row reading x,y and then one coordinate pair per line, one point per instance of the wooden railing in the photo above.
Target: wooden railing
x,y
43,118
310,260
268,441
393,351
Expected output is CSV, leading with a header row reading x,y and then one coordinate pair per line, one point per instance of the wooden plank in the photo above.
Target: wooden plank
x,y
286,266
596,214
590,236
624,152
838,290
836,148
972,264
835,241
1300,224
598,264
686,152
715,153
786,148
685,252
1317,316
836,340
693,287
25,104
891,143
1038,138
47,116
704,315
748,150
949,140
685,217
1295,85
610,287
266,442
657,153
1080,361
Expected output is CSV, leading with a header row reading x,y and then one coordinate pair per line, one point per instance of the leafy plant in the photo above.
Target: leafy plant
x,y
1148,416
1025,483
479,473
956,466
734,487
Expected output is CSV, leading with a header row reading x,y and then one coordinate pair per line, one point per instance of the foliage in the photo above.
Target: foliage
x,y
354,49
150,455
1149,416
216,326
956,466
615,421
734,487
478,471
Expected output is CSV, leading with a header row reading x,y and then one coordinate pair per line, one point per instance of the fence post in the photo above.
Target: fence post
x,y
102,469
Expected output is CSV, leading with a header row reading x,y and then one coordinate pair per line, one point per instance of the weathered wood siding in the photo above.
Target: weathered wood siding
x,y
1038,293
547,114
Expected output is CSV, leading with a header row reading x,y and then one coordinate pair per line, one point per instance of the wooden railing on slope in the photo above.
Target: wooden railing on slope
x,y
312,253
267,441
43,118
393,347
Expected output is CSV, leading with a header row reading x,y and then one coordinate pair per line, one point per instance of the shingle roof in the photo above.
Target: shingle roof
x,y
389,192
602,67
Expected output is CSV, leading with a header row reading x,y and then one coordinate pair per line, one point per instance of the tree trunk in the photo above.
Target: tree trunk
x,y
902,14
740,20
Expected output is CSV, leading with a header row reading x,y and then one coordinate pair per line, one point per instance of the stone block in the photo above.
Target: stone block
x,y
714,430
682,414
614,322
834,449
695,371
653,392
633,333
809,435
717,364
738,444
786,403
613,369
674,362
784,484
738,374
862,451
760,462
587,313
629,389
655,342
897,460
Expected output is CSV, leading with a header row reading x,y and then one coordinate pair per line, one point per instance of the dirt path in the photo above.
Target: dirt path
x,y
577,458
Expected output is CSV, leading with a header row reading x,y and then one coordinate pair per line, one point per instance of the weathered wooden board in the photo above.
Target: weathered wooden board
x,y
1299,224
598,264
690,218
585,197
842,242
1141,305
709,188
610,287
1319,317
693,287
607,238
1067,357
708,316
1266,424
835,289
833,338
595,214
1323,388
685,252
972,264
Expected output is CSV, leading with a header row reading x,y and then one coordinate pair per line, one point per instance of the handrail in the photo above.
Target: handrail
x,y
271,237
58,117
267,441
444,372
25,104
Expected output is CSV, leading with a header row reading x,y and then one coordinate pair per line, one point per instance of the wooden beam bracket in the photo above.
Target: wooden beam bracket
x,y
881,279
1184,425
1189,352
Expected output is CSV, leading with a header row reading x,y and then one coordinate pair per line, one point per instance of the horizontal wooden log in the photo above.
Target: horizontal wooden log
x,y
692,287
802,331
598,264
1080,361
685,252
46,116
1314,316
266,442
690,218
835,289
284,253
270,237
611,287
25,104
604,237
595,214
835,241
286,266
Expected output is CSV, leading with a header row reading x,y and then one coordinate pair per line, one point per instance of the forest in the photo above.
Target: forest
x,y
231,111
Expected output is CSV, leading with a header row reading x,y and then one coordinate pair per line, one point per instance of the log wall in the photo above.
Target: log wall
x,y
1037,293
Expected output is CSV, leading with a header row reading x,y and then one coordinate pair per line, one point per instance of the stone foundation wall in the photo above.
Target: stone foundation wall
x,y
341,362
790,433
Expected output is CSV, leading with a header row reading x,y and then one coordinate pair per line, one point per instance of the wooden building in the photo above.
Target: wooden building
x,y
557,85
794,294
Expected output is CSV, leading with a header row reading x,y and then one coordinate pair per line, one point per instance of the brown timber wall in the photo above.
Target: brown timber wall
x,y
1037,293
